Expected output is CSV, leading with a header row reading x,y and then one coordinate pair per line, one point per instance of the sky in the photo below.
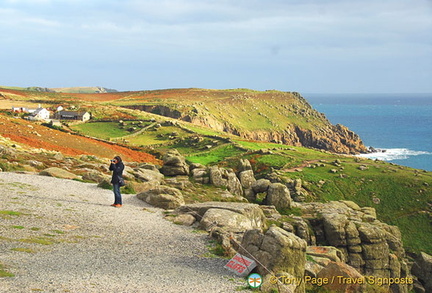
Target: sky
x,y
309,46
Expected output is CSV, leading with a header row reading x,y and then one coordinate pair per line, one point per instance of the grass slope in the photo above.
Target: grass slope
x,y
402,196
244,109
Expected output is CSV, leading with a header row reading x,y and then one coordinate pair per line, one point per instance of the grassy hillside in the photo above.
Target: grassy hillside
x,y
402,196
243,109
246,110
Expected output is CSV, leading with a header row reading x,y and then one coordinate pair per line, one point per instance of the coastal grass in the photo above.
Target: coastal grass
x,y
157,136
215,156
39,240
216,250
400,195
22,249
4,273
9,214
104,130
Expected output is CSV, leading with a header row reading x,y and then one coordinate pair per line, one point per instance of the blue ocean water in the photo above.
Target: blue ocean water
x,y
400,124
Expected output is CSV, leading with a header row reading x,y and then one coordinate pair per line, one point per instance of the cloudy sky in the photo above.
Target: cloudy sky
x,y
321,46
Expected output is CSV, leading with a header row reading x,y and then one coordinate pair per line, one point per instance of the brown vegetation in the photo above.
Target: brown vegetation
x,y
38,136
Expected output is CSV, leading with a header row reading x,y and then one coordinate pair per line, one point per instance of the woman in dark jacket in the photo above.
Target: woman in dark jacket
x,y
117,167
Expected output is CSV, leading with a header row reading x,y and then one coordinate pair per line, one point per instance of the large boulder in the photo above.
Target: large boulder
x,y
163,197
330,252
96,176
346,278
228,220
148,166
58,172
233,184
200,175
244,165
334,228
249,210
146,175
295,186
218,176
183,219
261,185
279,196
422,269
277,252
174,164
247,179
221,177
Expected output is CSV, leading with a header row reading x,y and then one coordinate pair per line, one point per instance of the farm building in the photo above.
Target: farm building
x,y
39,114
72,115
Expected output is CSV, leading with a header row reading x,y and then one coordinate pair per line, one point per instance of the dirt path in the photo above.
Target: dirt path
x,y
62,236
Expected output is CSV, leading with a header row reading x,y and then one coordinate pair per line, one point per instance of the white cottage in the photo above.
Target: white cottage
x,y
39,114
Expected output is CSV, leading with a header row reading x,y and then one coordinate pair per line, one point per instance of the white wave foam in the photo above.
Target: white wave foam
x,y
394,154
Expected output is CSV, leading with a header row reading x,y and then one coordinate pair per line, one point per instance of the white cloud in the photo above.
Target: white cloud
x,y
270,33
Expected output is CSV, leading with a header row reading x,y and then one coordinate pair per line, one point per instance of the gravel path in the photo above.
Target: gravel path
x,y
67,238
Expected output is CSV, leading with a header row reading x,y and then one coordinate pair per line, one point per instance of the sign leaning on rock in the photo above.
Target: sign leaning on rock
x,y
240,265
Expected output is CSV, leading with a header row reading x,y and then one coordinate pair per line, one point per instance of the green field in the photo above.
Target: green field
x,y
400,195
215,156
105,130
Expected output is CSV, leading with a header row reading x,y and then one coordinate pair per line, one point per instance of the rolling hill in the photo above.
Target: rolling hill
x,y
270,116
218,127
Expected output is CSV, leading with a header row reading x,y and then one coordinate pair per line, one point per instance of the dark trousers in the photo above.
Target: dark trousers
x,y
117,194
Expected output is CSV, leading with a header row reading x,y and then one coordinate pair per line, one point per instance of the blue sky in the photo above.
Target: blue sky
x,y
310,46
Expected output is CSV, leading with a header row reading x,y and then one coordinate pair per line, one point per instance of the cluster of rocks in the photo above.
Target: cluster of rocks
x,y
329,239
371,247
326,239
243,183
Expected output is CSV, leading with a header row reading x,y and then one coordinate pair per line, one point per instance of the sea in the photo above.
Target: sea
x,y
398,125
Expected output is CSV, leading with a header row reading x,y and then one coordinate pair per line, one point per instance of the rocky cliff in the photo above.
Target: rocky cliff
x,y
271,116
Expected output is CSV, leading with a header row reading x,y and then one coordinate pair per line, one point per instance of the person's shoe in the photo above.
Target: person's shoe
x,y
118,205
113,205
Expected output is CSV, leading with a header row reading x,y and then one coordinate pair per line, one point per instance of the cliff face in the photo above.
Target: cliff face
x,y
334,138
262,116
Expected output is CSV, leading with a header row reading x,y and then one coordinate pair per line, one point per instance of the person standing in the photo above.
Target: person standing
x,y
117,180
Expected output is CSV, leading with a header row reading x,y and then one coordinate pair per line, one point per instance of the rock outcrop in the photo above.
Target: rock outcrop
x,y
368,245
278,195
163,197
278,253
226,221
422,269
58,172
174,164
316,131
348,279
252,214
221,177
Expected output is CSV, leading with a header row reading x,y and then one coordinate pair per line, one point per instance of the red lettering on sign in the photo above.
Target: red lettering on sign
x,y
242,260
